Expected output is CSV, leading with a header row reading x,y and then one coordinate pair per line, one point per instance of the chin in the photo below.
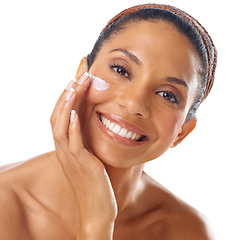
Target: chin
x,y
118,158
113,157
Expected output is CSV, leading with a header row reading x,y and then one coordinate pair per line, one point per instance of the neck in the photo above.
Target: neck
x,y
125,183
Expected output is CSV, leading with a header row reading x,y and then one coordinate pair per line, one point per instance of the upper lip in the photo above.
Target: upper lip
x,y
124,123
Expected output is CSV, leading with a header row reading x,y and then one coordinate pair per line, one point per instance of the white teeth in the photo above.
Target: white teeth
x,y
111,126
108,123
133,136
105,121
123,132
116,129
129,134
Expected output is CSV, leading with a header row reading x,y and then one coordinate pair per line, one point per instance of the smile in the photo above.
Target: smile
x,y
121,131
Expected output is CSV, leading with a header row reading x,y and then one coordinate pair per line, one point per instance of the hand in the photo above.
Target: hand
x,y
85,172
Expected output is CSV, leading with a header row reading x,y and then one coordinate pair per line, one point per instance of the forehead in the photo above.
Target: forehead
x,y
157,43
153,35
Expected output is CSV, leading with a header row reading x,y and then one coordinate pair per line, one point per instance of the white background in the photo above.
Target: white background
x,y
41,44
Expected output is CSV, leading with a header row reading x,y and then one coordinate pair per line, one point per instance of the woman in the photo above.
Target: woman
x,y
134,97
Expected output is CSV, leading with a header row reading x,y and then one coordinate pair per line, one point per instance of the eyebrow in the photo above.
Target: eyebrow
x,y
128,54
178,81
137,61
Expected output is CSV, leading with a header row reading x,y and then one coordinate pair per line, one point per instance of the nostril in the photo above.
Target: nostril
x,y
134,109
132,99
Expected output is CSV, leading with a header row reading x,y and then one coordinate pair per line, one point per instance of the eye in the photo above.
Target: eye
x,y
169,96
120,70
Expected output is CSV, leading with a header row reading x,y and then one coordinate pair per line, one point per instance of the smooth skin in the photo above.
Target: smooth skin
x,y
93,185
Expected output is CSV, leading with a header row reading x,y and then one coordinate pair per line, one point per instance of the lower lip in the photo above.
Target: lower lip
x,y
118,138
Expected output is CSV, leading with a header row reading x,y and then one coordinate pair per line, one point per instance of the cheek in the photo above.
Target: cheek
x,y
92,98
95,96
169,125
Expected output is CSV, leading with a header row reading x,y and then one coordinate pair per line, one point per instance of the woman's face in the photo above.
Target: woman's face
x,y
152,71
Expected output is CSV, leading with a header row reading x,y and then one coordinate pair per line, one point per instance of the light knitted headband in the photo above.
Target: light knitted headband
x,y
212,55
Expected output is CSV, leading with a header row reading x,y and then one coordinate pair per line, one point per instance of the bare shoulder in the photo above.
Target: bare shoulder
x,y
11,217
15,180
19,176
177,220
190,224
20,173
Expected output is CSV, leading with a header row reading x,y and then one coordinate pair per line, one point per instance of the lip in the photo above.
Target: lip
x,y
124,124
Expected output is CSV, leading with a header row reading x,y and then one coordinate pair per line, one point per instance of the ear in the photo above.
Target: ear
x,y
82,68
187,127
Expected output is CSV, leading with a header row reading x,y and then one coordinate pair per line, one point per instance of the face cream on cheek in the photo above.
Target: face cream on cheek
x,y
98,83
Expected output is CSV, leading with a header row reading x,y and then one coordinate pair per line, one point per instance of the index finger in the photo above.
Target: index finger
x,y
72,85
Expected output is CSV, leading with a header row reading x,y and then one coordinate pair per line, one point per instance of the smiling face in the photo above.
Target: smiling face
x,y
152,72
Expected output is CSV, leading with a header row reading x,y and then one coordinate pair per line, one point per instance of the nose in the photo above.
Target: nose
x,y
134,99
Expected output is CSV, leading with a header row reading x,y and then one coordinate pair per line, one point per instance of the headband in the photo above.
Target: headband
x,y
212,60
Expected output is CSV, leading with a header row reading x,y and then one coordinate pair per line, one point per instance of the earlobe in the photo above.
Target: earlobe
x,y
186,128
82,68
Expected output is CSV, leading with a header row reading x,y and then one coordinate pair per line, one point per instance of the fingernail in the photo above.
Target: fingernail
x,y
69,94
72,116
69,85
83,78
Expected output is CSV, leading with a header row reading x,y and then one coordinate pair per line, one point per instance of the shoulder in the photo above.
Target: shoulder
x,y
11,208
16,180
21,176
19,173
11,217
190,224
176,219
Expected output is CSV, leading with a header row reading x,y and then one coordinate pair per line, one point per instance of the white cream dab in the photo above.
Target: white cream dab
x,y
98,83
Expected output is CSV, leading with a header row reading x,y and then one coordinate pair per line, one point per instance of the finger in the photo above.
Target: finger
x,y
61,113
75,137
60,125
81,78
83,67
78,149
65,105
82,85
60,101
